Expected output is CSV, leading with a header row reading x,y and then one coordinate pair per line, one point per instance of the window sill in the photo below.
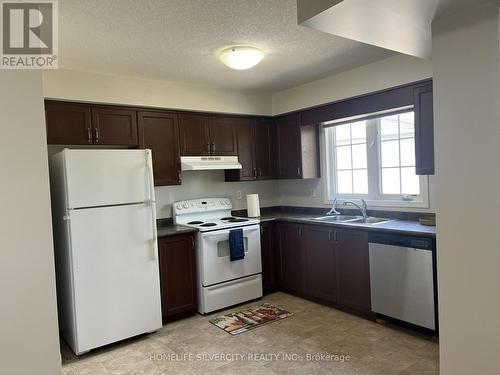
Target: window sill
x,y
383,203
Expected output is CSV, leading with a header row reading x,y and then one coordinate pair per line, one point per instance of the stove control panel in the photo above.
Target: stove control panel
x,y
201,205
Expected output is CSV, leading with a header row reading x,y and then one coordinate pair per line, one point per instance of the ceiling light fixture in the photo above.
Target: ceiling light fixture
x,y
241,57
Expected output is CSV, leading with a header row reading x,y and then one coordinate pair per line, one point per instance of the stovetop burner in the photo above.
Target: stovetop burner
x,y
208,225
234,220
228,218
195,222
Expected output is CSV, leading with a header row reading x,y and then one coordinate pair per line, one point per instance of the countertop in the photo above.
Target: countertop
x,y
392,226
166,230
395,226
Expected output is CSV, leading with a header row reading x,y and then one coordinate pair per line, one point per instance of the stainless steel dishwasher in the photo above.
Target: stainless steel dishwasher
x,y
402,278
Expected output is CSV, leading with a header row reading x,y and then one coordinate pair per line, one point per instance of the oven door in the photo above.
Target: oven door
x,y
214,263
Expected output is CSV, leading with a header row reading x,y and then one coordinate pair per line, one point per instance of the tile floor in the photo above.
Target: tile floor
x,y
190,346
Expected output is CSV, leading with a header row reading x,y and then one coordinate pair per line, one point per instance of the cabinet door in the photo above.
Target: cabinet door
x,y
222,132
161,135
268,257
68,124
424,130
263,149
353,271
194,139
320,280
177,275
246,152
289,155
290,255
114,126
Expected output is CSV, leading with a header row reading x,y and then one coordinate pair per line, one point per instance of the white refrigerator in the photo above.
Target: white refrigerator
x,y
104,222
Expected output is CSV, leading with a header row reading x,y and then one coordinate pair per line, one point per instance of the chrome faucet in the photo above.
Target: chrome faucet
x,y
333,211
363,207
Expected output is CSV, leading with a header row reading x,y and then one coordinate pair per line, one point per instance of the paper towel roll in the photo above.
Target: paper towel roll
x,y
253,206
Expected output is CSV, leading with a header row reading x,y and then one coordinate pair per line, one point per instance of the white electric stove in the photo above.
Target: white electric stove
x,y
222,282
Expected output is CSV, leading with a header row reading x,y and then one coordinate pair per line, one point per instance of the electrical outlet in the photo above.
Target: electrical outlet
x,y
238,195
313,193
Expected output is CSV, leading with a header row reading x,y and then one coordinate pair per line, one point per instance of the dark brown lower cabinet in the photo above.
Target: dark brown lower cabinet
x,y
353,269
320,266
268,257
290,255
325,264
177,276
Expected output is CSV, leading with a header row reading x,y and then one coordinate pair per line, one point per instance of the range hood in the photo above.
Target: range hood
x,y
202,163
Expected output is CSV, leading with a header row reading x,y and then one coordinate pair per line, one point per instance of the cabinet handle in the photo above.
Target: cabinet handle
x,y
329,235
89,135
335,236
260,172
300,231
208,148
255,172
213,148
192,242
179,176
298,171
96,130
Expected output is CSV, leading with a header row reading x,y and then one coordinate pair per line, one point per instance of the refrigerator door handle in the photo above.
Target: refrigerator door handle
x,y
153,241
150,179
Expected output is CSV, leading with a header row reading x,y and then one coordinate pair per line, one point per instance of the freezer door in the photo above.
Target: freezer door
x,y
115,273
107,177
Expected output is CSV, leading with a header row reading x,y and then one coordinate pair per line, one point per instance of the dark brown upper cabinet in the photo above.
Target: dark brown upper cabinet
x,y
222,132
115,127
194,136
253,147
161,135
85,124
424,130
68,123
205,135
245,135
263,155
298,148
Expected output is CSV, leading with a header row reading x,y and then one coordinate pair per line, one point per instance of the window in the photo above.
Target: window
x,y
350,153
374,159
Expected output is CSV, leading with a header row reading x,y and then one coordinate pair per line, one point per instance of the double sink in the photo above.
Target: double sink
x,y
347,219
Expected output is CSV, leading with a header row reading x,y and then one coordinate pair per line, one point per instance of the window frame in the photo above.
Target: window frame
x,y
373,199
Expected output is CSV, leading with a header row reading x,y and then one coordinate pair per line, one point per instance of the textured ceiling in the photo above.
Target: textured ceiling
x,y
178,40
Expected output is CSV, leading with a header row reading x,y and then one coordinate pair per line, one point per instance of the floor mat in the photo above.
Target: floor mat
x,y
250,318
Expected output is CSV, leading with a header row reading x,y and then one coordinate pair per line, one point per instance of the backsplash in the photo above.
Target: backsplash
x,y
211,184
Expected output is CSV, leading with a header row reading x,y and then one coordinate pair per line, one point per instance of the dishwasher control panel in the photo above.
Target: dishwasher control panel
x,y
403,240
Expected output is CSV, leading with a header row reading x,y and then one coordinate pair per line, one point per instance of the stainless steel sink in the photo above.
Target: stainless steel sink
x,y
369,220
337,218
347,219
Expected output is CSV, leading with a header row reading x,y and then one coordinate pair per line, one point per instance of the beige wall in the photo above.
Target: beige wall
x,y
29,340
386,73
467,95
86,86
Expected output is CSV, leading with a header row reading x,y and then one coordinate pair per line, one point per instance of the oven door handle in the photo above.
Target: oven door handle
x,y
247,229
